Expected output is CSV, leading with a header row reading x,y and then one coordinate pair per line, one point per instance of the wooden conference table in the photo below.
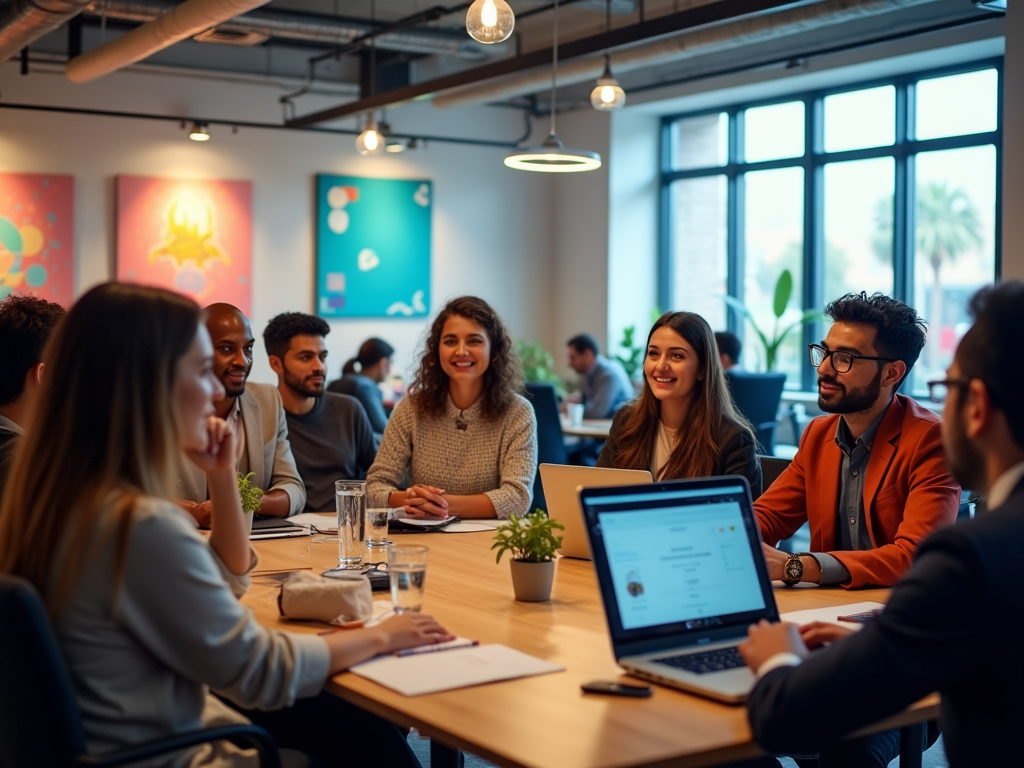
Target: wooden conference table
x,y
543,721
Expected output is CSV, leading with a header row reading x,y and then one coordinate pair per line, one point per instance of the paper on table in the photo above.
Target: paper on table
x,y
831,614
328,522
425,523
467,527
433,672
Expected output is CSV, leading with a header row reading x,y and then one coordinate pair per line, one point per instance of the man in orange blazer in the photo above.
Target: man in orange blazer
x,y
871,478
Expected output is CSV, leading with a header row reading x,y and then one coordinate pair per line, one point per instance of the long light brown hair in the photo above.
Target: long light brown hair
x,y
105,433
503,379
699,447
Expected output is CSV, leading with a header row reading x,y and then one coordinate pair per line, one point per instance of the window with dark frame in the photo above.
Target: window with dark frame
x,y
890,185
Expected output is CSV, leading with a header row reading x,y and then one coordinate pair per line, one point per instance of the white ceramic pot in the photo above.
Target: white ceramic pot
x,y
531,582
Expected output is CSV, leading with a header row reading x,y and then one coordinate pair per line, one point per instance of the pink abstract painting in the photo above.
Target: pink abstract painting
x,y
37,247
193,237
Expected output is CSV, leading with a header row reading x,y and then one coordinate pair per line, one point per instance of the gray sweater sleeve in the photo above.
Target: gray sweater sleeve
x,y
391,466
178,605
518,463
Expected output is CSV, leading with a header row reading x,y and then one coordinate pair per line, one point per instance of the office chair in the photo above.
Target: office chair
x,y
550,440
757,396
40,723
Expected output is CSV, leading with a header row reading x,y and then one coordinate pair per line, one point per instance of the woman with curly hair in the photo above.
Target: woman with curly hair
x,y
684,423
465,438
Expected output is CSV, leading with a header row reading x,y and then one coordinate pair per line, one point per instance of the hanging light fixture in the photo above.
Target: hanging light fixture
x,y
607,95
199,132
371,140
552,156
490,21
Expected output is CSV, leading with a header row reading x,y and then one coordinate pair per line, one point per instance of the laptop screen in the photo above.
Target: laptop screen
x,y
678,557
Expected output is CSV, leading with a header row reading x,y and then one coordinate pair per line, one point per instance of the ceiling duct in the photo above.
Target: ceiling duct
x,y
715,39
22,22
320,29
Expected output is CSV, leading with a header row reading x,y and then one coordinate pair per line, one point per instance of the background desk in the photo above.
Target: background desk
x,y
594,428
545,721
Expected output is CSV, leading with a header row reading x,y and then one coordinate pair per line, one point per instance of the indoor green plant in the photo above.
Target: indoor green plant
x,y
538,365
532,542
250,493
780,303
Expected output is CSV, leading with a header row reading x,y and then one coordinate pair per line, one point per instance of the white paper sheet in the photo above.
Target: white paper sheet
x,y
831,614
327,522
433,672
467,527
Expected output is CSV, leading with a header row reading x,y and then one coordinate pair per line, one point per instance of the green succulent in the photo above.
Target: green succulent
x,y
530,539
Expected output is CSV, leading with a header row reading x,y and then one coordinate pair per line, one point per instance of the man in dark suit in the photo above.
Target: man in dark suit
x,y
25,325
952,622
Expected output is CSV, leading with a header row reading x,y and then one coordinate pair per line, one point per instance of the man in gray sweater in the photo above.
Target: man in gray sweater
x,y
330,433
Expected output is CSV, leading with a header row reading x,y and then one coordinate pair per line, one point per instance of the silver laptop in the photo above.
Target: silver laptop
x,y
682,576
562,484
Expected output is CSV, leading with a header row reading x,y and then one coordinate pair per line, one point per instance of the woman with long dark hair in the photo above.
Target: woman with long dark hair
x,y
465,437
360,377
684,423
146,610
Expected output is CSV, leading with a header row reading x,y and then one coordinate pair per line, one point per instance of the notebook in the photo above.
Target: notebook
x,y
682,576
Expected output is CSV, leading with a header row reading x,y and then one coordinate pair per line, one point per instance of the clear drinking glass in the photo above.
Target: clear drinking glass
x,y
350,498
377,527
407,569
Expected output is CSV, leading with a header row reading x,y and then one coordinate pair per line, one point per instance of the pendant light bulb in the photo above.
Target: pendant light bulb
x,y
490,21
370,141
607,95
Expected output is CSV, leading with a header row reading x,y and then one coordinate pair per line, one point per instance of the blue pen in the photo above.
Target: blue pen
x,y
436,648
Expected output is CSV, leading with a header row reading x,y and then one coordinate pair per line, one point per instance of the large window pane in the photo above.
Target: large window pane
x,y
957,104
773,241
955,246
699,217
860,119
773,132
858,226
700,142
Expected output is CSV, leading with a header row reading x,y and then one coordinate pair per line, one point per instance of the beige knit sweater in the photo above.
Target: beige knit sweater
x,y
498,458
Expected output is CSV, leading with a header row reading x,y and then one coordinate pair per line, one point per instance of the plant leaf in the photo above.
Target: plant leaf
x,y
783,292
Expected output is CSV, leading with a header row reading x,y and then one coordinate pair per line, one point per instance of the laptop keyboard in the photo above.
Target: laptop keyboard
x,y
701,663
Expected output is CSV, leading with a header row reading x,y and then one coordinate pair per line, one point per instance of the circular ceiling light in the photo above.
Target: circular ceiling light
x,y
490,21
199,132
552,157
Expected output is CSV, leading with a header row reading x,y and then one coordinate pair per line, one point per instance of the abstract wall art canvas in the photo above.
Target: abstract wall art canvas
x,y
373,247
193,237
37,248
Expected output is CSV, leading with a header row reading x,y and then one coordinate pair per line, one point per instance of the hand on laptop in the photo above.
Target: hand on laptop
x,y
764,640
425,501
817,633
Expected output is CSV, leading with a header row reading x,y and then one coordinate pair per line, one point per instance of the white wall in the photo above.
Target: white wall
x,y
492,226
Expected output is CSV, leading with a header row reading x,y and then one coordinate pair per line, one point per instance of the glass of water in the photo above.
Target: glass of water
x,y
377,527
350,498
407,569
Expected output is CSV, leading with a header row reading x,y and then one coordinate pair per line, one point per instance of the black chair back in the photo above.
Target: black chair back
x,y
550,440
771,468
757,395
39,719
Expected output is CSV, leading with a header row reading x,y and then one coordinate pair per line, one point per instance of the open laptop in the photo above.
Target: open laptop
x,y
562,484
682,576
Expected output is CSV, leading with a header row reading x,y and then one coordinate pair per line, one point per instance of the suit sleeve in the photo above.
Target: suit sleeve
x,y
285,475
916,646
610,452
739,457
931,503
600,404
782,508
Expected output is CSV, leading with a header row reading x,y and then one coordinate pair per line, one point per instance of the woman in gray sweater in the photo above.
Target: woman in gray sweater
x,y
146,610
464,442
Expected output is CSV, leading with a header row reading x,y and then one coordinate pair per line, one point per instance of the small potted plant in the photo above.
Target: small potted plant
x,y
250,493
532,542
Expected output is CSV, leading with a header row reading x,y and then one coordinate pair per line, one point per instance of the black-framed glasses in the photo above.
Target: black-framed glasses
x,y
841,361
938,390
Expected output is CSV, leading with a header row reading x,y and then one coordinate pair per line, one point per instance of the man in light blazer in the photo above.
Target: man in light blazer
x,y
256,414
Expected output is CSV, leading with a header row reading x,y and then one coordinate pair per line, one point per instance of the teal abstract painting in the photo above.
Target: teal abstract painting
x,y
373,247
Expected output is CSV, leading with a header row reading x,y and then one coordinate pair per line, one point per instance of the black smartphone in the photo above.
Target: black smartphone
x,y
611,688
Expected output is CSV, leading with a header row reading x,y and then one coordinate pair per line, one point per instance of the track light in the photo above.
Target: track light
x,y
199,132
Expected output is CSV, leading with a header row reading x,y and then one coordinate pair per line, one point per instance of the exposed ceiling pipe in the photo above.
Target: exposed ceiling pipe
x,y
689,45
307,27
22,22
185,20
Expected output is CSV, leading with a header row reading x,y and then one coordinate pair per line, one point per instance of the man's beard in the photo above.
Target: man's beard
x,y
301,387
229,389
965,461
852,401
